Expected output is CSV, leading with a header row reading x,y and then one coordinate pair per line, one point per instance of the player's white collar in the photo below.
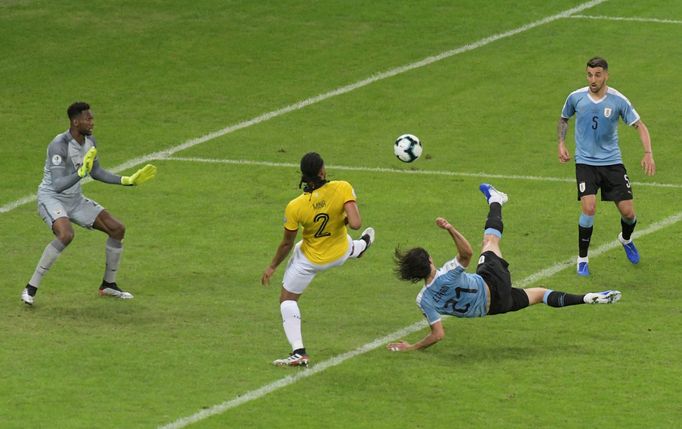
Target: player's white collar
x,y
589,95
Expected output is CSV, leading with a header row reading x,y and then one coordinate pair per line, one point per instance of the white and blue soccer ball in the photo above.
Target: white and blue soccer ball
x,y
407,148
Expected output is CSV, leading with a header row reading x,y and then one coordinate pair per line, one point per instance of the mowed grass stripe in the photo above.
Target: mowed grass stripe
x,y
337,360
333,93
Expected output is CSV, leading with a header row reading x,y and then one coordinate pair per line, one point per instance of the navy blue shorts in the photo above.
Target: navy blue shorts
x,y
612,179
503,297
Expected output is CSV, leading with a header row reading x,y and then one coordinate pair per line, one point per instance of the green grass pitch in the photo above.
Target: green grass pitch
x,y
202,331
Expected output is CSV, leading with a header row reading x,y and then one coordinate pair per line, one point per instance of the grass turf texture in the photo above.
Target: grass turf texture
x,y
201,330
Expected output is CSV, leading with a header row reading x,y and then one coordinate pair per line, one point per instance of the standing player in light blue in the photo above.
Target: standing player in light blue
x,y
598,162
451,291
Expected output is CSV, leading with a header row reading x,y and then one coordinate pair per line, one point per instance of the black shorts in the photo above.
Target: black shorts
x,y
503,297
612,179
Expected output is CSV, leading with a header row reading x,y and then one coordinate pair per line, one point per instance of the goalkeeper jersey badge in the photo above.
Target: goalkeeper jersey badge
x,y
607,112
56,160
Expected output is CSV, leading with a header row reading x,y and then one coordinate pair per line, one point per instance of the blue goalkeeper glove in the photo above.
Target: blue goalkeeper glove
x,y
145,173
88,160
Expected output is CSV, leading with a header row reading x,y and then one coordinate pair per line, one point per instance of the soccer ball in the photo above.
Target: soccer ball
x,y
407,148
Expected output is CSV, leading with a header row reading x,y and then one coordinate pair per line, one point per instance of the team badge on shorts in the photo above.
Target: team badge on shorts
x,y
581,186
481,260
56,160
607,112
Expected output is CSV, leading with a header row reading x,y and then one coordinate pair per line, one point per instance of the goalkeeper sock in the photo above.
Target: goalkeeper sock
x,y
291,320
50,254
114,248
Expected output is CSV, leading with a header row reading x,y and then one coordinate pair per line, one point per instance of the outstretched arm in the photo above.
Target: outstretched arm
x,y
464,250
99,173
437,333
648,159
562,128
282,251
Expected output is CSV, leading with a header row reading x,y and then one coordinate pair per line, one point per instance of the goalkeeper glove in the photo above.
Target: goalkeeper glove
x,y
140,176
88,160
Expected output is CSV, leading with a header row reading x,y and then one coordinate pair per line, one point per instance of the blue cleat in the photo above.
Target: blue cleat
x,y
583,270
492,195
630,249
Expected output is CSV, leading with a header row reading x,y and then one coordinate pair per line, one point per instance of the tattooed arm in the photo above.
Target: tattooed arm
x,y
562,128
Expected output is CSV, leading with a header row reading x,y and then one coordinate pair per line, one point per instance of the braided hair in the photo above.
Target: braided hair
x,y
311,164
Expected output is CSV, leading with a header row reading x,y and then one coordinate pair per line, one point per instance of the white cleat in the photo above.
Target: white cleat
x,y
28,299
293,359
606,297
114,291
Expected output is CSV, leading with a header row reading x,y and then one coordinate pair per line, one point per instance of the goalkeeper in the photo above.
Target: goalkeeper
x,y
71,157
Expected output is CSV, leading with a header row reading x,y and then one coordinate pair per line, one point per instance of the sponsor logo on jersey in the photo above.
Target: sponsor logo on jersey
x,y
56,160
607,112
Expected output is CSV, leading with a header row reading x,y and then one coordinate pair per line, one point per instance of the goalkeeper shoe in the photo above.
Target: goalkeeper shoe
x,y
492,195
28,299
606,297
294,359
368,236
111,289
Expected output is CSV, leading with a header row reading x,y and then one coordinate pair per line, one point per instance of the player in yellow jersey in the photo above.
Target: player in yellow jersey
x,y
323,210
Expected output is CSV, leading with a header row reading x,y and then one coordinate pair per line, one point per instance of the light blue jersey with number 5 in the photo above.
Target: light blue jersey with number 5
x,y
596,125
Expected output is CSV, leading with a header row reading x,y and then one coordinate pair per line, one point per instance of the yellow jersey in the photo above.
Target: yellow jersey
x,y
323,218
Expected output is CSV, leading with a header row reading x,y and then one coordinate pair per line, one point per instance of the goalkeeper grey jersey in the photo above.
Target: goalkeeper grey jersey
x,y
64,158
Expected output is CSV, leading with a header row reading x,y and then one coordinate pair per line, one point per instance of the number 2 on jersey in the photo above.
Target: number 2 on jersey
x,y
324,218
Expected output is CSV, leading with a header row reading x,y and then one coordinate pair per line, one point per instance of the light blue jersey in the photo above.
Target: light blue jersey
x,y
596,125
453,292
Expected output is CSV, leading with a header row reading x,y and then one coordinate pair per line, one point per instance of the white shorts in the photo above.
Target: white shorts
x,y
79,209
300,271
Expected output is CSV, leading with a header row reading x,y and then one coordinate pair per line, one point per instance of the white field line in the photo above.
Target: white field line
x,y
286,381
619,18
336,360
333,93
401,171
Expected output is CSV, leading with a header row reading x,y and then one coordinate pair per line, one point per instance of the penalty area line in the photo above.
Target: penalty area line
x,y
286,381
401,171
622,18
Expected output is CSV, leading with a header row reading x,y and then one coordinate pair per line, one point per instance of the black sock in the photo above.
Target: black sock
x,y
584,236
299,351
106,284
563,299
31,290
494,219
627,228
